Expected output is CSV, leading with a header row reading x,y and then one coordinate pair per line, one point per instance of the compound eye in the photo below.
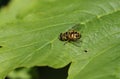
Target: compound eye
x,y
60,34
60,37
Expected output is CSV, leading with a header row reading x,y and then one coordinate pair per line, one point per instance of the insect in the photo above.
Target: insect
x,y
70,36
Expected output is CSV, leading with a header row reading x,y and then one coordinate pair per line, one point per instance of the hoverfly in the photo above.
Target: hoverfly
x,y
71,35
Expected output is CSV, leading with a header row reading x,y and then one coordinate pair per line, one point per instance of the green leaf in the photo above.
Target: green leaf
x,y
29,37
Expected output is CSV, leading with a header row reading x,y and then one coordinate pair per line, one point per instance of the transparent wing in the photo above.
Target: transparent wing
x,y
77,27
77,42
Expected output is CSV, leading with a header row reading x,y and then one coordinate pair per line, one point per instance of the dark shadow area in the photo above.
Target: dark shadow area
x,y
43,72
1,46
85,51
46,72
4,3
6,78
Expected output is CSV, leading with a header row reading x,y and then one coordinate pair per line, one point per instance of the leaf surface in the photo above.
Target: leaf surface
x,y
29,36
